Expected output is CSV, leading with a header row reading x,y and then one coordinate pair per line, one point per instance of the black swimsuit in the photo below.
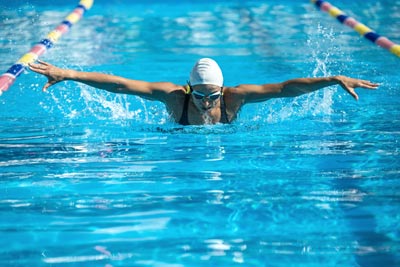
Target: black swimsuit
x,y
185,115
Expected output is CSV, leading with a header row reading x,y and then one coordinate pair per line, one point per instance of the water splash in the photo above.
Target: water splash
x,y
77,101
103,107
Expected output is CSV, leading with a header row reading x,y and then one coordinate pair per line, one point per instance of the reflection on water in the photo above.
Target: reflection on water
x,y
226,198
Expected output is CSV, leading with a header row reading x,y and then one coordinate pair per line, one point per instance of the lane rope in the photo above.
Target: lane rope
x,y
362,29
9,77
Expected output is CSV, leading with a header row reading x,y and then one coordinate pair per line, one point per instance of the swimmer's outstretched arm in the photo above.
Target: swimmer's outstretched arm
x,y
295,87
111,83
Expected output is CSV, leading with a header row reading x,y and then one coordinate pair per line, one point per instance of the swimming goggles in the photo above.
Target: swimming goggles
x,y
200,96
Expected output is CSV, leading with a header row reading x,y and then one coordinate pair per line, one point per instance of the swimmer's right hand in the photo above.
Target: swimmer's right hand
x,y
53,73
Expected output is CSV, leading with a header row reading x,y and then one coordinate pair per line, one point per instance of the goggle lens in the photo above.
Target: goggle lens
x,y
212,96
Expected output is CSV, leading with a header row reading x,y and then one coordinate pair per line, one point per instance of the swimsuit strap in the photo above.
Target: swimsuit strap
x,y
224,115
184,120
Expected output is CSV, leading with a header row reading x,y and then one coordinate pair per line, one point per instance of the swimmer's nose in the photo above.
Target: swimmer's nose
x,y
206,102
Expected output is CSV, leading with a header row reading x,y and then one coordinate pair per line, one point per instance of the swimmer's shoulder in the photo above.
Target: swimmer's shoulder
x,y
176,95
234,98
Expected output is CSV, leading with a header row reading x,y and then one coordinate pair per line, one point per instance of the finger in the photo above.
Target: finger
x,y
36,65
367,81
369,85
36,68
352,93
46,86
40,68
33,67
42,62
362,83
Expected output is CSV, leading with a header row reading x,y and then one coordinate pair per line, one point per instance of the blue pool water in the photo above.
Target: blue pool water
x,y
94,179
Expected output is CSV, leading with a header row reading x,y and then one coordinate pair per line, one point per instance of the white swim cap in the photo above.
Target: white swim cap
x,y
206,71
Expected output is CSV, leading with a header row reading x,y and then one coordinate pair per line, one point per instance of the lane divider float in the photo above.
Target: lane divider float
x,y
358,27
9,77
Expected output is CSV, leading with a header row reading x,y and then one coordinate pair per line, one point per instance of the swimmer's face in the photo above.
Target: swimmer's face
x,y
205,96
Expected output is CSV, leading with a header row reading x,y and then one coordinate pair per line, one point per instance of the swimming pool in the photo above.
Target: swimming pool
x,y
94,179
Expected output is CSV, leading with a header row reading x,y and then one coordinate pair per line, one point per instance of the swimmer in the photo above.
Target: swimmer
x,y
205,99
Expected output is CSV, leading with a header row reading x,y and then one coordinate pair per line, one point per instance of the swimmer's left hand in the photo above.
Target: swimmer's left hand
x,y
349,84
